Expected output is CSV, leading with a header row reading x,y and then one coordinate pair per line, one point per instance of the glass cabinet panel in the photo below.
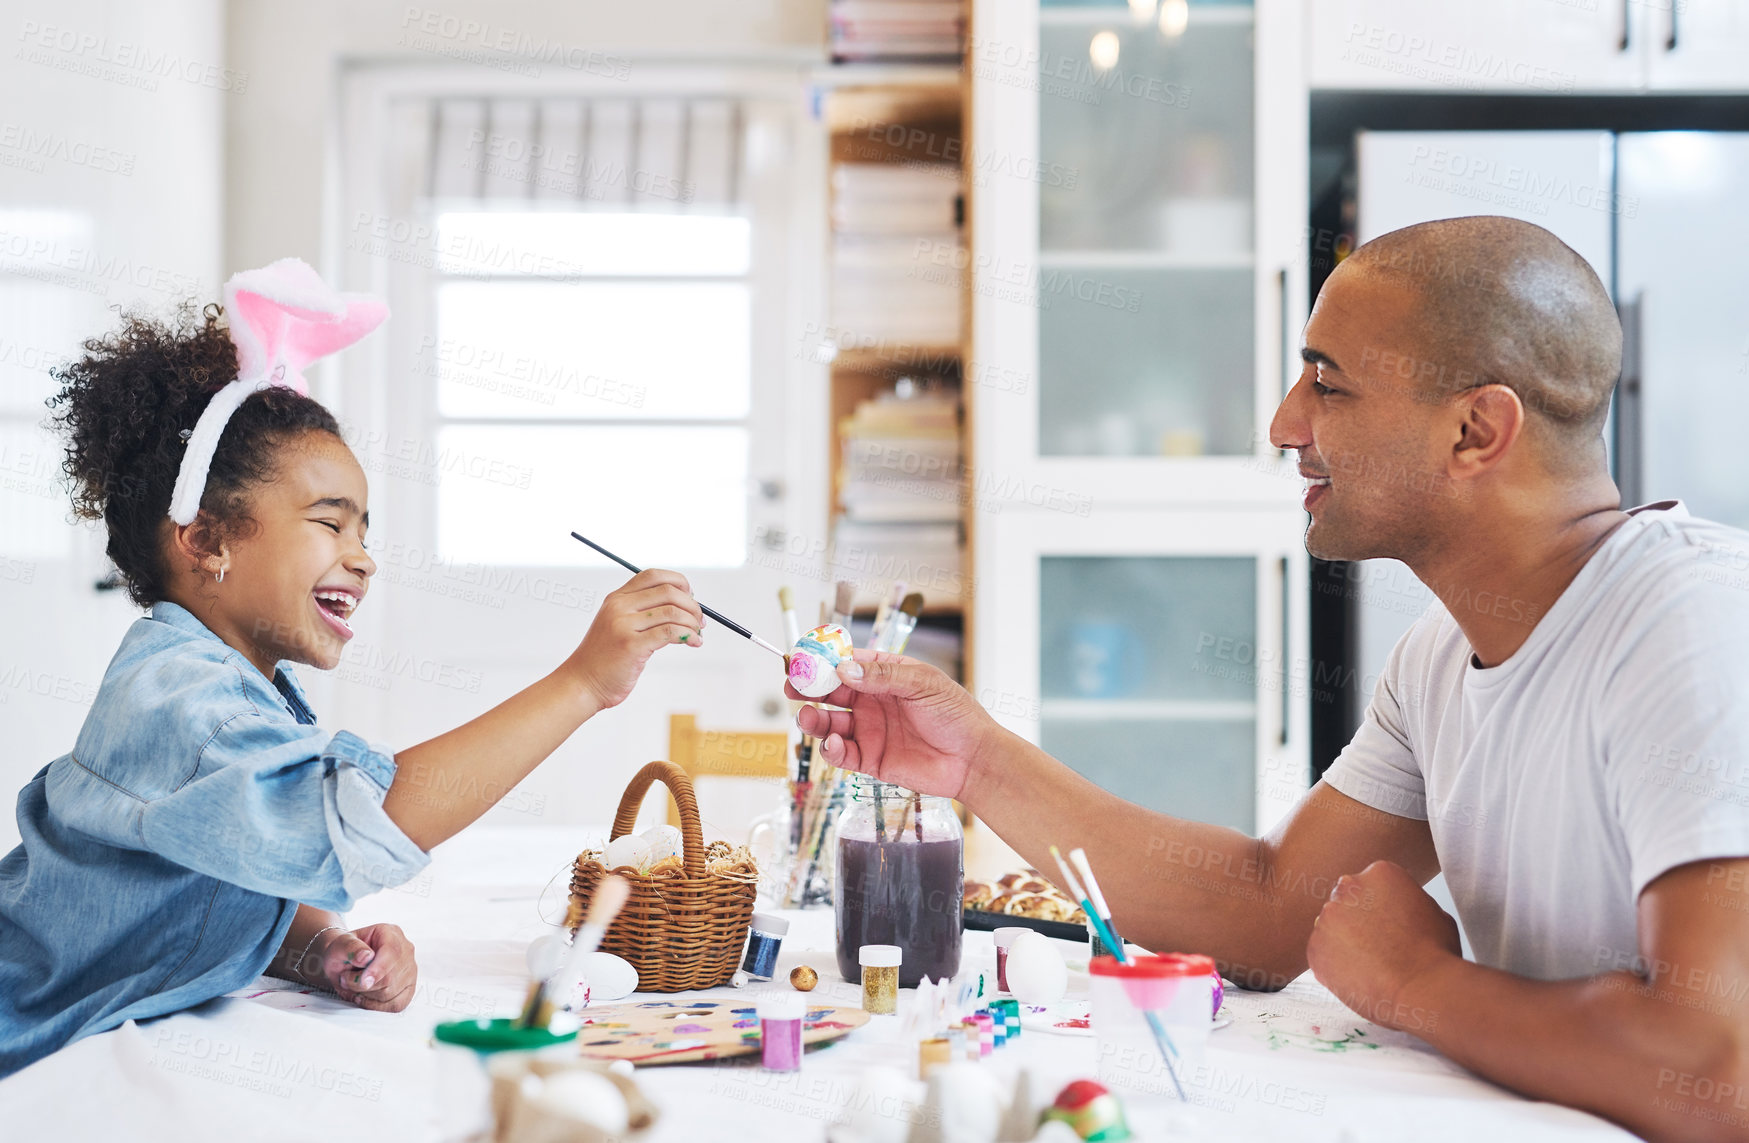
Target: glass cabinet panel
x,y
1146,324
1148,681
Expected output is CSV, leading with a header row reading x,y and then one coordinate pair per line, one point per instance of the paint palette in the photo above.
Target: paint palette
x,y
675,1032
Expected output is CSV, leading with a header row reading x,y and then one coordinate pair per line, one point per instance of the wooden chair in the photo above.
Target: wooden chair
x,y
724,753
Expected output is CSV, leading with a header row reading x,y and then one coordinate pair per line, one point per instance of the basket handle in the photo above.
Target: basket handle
x,y
679,784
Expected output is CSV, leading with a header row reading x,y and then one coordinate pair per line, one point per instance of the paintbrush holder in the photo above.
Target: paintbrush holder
x,y
685,921
900,880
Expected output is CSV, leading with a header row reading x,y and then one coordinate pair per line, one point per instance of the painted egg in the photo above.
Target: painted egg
x,y
632,850
1089,1108
803,978
664,842
813,661
610,977
1037,973
584,1097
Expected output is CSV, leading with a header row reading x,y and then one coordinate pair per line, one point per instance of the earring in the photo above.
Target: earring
x,y
221,578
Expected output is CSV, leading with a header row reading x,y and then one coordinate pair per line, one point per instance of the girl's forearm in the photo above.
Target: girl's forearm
x,y
443,784
304,927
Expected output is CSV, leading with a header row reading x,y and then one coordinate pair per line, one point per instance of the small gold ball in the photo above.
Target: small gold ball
x,y
803,978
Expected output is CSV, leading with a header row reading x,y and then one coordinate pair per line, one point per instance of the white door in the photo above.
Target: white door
x,y
1684,270
594,338
1506,46
1698,45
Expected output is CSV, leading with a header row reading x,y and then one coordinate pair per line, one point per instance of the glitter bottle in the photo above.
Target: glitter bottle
x,y
780,1030
880,978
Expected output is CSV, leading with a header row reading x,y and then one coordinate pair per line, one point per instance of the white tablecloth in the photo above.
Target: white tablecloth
x,y
277,1062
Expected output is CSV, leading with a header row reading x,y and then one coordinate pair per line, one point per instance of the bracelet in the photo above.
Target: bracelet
x,y
298,965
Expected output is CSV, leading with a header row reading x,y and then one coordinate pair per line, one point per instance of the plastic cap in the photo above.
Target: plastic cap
x,y
1155,967
1008,934
880,956
782,1006
770,924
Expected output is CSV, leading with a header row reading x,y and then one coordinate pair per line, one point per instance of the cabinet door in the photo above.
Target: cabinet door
x,y
1154,652
1516,46
1685,284
1698,45
1128,312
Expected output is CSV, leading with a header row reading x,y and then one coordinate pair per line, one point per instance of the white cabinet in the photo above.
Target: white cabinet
x,y
1697,45
1521,46
1529,46
1137,211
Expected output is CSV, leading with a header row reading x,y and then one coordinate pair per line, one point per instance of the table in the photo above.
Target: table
x,y
275,1061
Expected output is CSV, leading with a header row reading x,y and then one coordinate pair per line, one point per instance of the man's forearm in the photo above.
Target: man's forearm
x,y
1171,884
1656,1059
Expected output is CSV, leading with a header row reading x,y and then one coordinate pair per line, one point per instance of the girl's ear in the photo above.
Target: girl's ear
x,y
199,545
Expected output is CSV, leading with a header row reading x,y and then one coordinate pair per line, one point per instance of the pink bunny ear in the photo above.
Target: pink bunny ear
x,y
283,316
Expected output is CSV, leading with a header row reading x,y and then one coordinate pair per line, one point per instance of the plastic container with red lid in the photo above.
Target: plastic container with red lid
x,y
1178,988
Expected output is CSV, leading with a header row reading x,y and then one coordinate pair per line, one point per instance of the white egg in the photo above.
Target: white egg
x,y
881,1099
966,1101
1037,973
545,954
610,977
663,842
584,1097
630,850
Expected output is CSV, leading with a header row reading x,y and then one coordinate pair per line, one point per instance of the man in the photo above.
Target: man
x,y
1565,736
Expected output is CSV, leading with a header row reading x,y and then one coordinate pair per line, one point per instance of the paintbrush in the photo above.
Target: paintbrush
x,y
714,614
1078,858
610,897
900,624
884,612
1168,1050
843,603
787,601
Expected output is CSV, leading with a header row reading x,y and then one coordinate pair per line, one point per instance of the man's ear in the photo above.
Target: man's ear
x,y
199,545
1492,420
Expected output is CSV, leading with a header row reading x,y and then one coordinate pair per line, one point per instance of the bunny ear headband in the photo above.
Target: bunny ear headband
x,y
283,316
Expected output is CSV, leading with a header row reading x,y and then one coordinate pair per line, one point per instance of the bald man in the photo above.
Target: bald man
x,y
1565,736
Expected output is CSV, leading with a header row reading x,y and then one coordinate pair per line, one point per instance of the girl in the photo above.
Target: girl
x,y
204,828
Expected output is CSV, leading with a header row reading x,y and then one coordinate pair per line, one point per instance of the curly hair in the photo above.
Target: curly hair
x,y
125,408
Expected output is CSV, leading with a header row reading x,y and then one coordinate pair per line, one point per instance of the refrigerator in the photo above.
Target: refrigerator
x,y
1660,217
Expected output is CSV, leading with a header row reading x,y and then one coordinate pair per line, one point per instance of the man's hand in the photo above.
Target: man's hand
x,y
1378,931
907,723
372,967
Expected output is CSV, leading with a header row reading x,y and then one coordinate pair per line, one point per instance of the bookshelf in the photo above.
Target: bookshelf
x,y
900,497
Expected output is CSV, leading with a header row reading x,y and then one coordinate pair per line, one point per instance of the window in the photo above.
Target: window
x,y
589,360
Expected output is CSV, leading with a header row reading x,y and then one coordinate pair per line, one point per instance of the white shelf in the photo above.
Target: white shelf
x,y
1119,15
1146,710
1144,260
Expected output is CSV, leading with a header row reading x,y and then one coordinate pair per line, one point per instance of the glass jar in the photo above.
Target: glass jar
x,y
900,880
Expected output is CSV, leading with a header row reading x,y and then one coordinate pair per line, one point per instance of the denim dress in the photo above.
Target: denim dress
x,y
163,859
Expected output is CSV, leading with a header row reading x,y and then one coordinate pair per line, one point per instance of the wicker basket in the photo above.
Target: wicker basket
x,y
682,931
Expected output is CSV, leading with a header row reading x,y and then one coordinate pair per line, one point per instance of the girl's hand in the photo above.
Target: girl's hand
x,y
372,967
653,609
908,724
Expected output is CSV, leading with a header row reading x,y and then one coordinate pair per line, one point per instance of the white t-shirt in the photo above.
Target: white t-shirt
x,y
1611,747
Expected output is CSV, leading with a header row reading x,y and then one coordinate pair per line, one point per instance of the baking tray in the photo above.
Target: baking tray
x,y
981,921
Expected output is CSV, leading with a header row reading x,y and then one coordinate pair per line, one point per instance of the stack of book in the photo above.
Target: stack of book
x,y
897,29
897,255
901,489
